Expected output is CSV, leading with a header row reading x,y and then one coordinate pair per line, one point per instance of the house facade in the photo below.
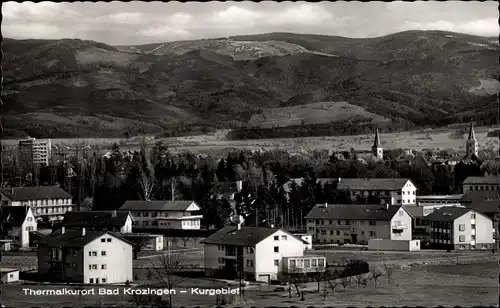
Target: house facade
x,y
48,203
460,228
80,256
113,221
481,183
256,253
392,191
358,223
164,214
19,222
431,200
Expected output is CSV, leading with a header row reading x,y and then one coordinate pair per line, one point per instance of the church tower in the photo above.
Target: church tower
x,y
376,148
471,145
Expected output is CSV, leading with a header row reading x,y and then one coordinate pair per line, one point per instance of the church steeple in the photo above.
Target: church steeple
x,y
377,150
471,145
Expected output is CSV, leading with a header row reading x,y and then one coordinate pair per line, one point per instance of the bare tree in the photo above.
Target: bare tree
x,y
184,240
388,273
138,243
376,272
296,278
344,282
146,171
166,272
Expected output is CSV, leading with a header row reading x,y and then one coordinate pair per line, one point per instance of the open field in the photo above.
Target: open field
x,y
315,113
443,138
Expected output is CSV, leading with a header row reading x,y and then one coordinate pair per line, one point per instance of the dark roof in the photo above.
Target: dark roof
x,y
14,215
137,205
72,238
372,184
95,219
485,206
35,193
472,135
447,214
490,179
224,188
246,236
353,212
376,142
479,195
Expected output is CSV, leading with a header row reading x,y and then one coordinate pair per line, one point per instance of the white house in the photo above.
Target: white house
x,y
481,183
114,221
358,223
392,191
460,228
19,222
80,256
306,238
9,275
256,253
164,214
46,202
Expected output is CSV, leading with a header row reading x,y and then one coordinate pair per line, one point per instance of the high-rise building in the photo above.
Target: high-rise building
x,y
34,152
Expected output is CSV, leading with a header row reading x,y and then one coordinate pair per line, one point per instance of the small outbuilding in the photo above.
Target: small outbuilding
x,y
9,275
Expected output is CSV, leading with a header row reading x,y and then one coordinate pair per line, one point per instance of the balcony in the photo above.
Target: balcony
x,y
399,227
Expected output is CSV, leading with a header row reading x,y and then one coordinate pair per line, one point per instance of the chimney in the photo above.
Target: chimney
x,y
113,213
239,185
84,232
63,230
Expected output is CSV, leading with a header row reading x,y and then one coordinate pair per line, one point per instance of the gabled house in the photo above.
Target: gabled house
x,y
460,228
46,202
226,190
114,221
398,191
182,214
81,256
257,253
18,222
357,224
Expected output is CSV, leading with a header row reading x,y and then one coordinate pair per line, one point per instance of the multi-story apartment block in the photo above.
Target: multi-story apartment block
x,y
460,228
18,222
256,253
356,224
481,183
164,214
453,200
78,256
34,152
48,203
114,221
392,191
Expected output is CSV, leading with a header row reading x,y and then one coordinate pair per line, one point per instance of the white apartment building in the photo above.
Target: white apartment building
x,y
358,223
114,221
18,221
257,253
34,152
164,214
80,256
481,183
392,191
47,202
460,228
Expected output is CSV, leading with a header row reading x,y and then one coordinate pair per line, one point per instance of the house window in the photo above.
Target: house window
x,y
283,237
472,237
92,266
220,247
276,262
103,240
276,238
321,262
307,263
103,280
103,266
108,240
314,262
339,222
331,232
461,227
473,216
338,232
91,280
92,253
400,213
372,233
461,238
103,253
276,249
220,260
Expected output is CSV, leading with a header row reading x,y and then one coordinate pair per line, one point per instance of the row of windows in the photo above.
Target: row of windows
x,y
195,222
346,222
46,202
95,266
277,238
94,253
91,280
484,187
323,232
307,263
249,249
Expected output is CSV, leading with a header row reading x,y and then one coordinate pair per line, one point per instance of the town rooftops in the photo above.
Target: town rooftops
x,y
485,206
372,184
482,180
72,238
353,211
447,214
35,193
14,215
479,195
95,219
246,236
164,205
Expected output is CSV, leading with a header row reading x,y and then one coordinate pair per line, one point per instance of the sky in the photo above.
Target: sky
x,y
134,23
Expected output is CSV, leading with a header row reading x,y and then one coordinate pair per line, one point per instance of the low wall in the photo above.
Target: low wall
x,y
393,245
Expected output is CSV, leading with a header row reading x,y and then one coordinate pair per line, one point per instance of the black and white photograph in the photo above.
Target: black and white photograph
x,y
250,154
